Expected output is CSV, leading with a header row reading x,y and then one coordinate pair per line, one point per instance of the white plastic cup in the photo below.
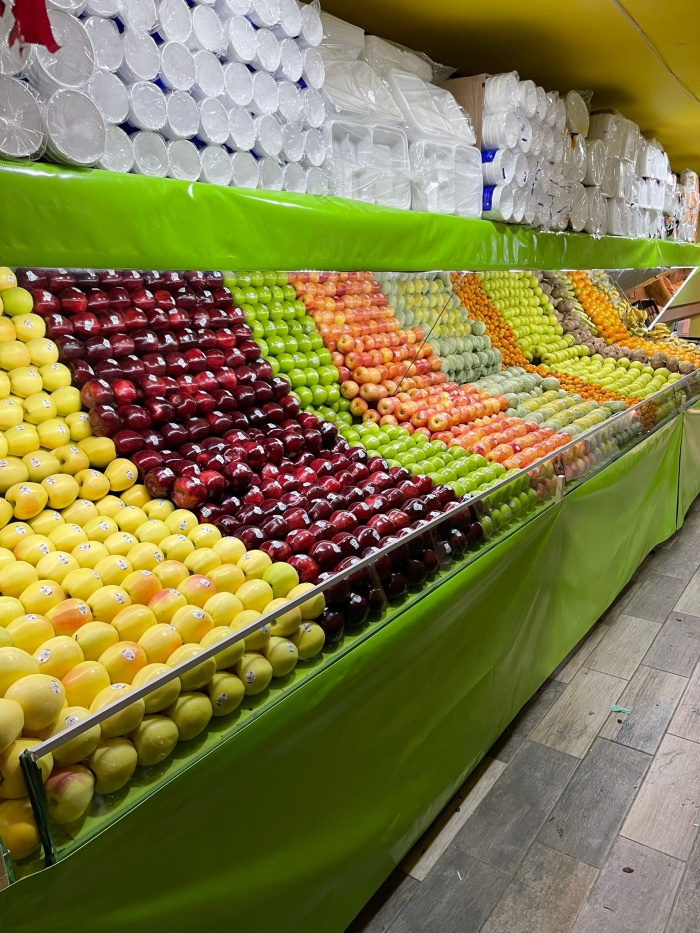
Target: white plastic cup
x,y
291,62
207,31
520,196
71,66
537,138
311,33
21,129
208,76
213,122
315,150
241,129
497,203
271,177
240,36
500,131
181,116
265,100
525,136
216,166
267,51
316,181
527,98
141,58
238,85
176,66
290,20
147,109
291,107
118,155
185,162
268,137
106,42
226,8
75,129
313,71
292,143
497,166
541,109
245,170
314,108
294,178
110,95
264,13
521,170
175,21
578,218
139,15
501,93
150,155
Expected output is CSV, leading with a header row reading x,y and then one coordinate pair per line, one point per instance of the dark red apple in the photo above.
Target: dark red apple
x,y
104,421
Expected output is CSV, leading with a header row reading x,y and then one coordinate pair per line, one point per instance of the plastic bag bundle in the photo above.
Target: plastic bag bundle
x,y
428,111
502,93
578,215
352,87
596,157
446,178
597,221
577,117
384,56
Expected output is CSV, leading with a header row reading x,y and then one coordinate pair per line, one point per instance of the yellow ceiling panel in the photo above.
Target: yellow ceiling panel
x,y
640,56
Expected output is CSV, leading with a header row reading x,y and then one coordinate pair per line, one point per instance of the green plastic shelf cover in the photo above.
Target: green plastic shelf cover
x,y
62,217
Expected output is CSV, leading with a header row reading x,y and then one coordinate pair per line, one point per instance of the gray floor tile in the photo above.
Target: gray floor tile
x,y
689,601
545,896
685,916
456,897
677,646
636,901
587,819
384,907
655,598
652,696
527,719
677,560
505,823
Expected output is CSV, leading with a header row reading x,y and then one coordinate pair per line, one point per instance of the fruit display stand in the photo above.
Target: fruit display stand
x,y
290,814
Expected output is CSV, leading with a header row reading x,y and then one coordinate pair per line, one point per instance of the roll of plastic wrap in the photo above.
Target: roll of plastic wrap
x,y
238,85
141,58
147,108
519,203
175,21
314,108
110,95
267,51
208,76
266,96
560,122
270,178
315,149
240,37
577,117
118,155
313,70
316,181
501,93
578,217
176,66
106,42
291,62
541,109
596,158
245,171
182,116
579,161
521,170
597,222
150,155
290,20
69,67
500,131
292,143
268,137
241,129
264,13
291,107
216,166
527,98
214,127
207,31
184,160
21,129
294,178
525,135
311,33
75,129
498,166
497,203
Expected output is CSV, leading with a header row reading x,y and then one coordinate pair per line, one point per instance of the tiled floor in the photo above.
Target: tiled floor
x,y
585,815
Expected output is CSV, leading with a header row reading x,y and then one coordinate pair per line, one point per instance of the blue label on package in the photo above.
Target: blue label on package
x,y
488,155
488,197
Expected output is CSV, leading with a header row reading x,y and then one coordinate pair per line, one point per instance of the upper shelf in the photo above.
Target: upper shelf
x,y
61,217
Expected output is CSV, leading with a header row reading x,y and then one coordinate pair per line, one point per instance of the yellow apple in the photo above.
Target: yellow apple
x,y
62,490
152,531
154,739
57,656
68,536
24,380
83,745
191,713
123,661
100,452
136,495
198,676
13,786
95,638
282,655
107,602
41,596
12,471
22,439
133,621
83,682
56,566
192,623
120,543
145,556
223,608
110,506
205,535
68,793
181,521
27,499
113,762
14,355
227,578
226,692
285,624
16,577
29,326
314,606
141,585
28,631
202,560
170,573
129,518
79,426
93,484
161,697
113,570
121,473
229,656
158,508
80,512
40,464
255,673
124,721
18,829
11,535
33,548
55,376
68,402
11,723
11,413
53,433
176,547
39,407
42,352
41,697
71,458
100,528
159,642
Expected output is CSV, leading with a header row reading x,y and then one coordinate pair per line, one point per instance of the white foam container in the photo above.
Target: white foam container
x,y
176,66
597,221
175,21
21,128
391,167
577,117
267,51
214,127
525,135
316,181
270,175
12,59
292,143
207,31
497,166
245,170
264,13
185,162
241,129
150,155
579,161
613,183
294,178
106,42
147,106
617,220
469,186
291,62
182,116
75,129
71,66
541,109
110,95
141,58
208,76
497,203
216,166
118,155
291,107
501,93
313,71
266,98
500,131
240,36
349,163
314,108
268,137
238,85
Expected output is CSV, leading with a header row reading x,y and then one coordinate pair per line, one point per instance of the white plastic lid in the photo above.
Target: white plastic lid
x,y
216,166
74,7
141,58
176,66
294,178
207,30
292,143
138,14
238,84
267,51
209,75
241,129
271,178
150,155
182,116
73,63
268,137
12,59
175,20
541,110
313,69
316,181
107,8
290,19
75,129
146,106
242,44
228,8
265,94
291,62
21,133
290,106
311,26
314,148
264,12
185,162
213,122
119,153
577,117
245,172
106,42
110,95
314,107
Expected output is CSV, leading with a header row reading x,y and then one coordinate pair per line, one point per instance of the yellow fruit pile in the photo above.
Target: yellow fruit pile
x,y
105,595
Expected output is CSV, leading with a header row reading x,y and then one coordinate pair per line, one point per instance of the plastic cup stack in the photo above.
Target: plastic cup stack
x,y
110,95
241,130
209,76
271,177
213,122
175,21
181,116
65,110
147,106
184,160
177,71
21,128
141,58
150,155
118,155
294,178
216,166
106,43
238,85
245,171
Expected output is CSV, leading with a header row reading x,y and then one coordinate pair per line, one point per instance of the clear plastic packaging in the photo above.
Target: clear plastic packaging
x,y
289,25
579,159
501,93
611,129
266,99
613,184
208,76
207,31
316,181
497,203
541,109
291,107
268,137
270,175
537,138
75,130
71,66
74,7
341,37
521,170
139,15
617,221
525,135
216,166
245,172
175,21
527,98
520,196
176,66
551,114
241,129
498,166
597,222
150,155
314,108
147,106
214,125
238,85
109,8
294,178
500,131
267,51
313,69
311,32
560,122
292,143
110,95
290,61
240,36
315,149
391,167
106,42
353,88
226,8
431,112
578,217
182,116
596,157
265,13
577,116
349,161
13,59
141,58
184,160
21,129
118,155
